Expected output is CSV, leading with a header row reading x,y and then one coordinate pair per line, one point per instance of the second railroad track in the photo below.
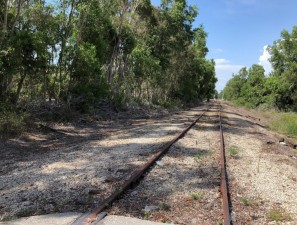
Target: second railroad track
x,y
201,153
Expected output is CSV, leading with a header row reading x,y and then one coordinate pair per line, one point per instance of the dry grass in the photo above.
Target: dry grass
x,y
285,123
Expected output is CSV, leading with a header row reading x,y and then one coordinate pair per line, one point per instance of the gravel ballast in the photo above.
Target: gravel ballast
x,y
74,169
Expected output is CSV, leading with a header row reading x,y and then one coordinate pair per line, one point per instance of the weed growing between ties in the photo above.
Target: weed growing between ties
x,y
245,201
198,195
202,153
278,215
233,151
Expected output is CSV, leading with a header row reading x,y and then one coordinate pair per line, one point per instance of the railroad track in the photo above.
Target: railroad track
x,y
98,213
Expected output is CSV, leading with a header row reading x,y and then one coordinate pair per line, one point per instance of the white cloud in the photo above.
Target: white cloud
x,y
221,61
224,71
216,51
264,60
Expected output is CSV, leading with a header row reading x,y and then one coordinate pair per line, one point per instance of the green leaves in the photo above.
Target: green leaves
x,y
145,65
279,90
246,87
284,62
97,49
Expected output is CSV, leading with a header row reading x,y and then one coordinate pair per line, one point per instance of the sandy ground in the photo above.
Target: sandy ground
x,y
46,172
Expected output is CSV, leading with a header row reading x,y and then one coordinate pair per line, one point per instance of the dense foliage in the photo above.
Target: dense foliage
x,y
278,90
77,52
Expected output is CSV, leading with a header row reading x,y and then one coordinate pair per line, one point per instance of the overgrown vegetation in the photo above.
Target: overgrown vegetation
x,y
285,123
251,88
96,49
76,53
11,123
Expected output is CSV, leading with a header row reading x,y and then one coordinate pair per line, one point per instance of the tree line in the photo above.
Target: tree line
x,y
78,52
278,90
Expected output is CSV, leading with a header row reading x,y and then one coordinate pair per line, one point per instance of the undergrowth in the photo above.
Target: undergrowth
x,y
11,124
285,123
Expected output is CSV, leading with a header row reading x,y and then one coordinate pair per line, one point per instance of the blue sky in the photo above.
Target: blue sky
x,y
238,31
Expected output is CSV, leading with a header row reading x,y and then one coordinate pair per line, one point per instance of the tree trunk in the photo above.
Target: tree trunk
x,y
4,27
64,36
112,68
20,86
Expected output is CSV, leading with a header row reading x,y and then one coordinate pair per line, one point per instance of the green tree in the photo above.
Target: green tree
x,y
284,62
253,88
81,51
234,86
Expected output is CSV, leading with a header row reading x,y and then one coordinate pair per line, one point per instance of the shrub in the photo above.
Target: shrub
x,y
11,124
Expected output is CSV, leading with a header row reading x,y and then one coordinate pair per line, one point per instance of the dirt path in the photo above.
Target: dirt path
x,y
56,172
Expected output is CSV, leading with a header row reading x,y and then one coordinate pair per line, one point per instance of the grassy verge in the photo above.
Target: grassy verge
x,y
284,123
281,122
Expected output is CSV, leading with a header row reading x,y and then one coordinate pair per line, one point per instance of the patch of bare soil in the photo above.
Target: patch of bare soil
x,y
262,176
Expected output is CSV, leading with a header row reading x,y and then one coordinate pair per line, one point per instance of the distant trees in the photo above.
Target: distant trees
x,y
246,87
279,89
122,50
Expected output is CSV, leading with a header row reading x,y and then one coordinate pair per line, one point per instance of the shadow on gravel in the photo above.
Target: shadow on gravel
x,y
236,125
57,174
168,180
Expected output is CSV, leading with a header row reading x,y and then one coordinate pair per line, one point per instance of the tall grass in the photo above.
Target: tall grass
x,y
285,123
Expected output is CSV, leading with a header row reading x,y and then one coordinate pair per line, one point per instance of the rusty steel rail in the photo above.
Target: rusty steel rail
x,y
224,187
88,218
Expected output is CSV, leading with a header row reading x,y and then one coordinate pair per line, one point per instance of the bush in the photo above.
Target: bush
x,y
11,124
